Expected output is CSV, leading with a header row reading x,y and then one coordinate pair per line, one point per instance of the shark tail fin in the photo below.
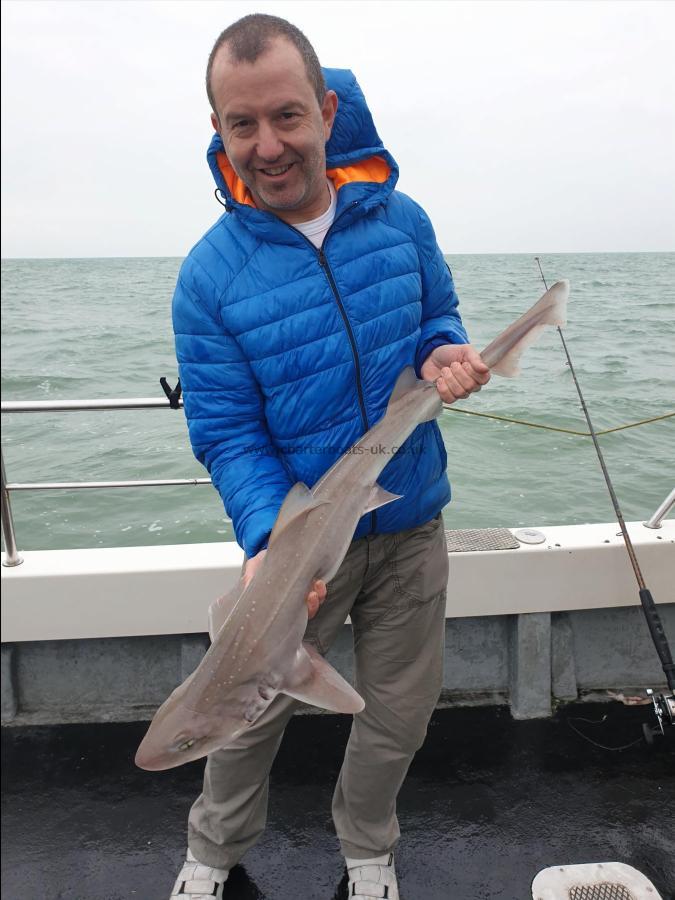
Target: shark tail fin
x,y
502,356
315,681
220,609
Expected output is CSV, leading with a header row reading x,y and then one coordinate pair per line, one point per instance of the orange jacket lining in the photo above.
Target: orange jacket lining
x,y
374,169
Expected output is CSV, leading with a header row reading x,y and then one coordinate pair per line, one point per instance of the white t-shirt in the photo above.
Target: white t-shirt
x,y
315,230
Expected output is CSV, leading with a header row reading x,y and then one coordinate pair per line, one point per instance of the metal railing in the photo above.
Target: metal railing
x,y
661,512
31,406
12,556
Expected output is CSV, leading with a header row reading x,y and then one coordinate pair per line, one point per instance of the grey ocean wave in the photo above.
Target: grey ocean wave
x,y
94,328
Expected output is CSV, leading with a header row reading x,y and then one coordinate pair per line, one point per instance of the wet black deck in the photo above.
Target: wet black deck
x,y
488,803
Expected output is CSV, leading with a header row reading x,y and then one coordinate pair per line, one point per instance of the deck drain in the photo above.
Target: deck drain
x,y
593,881
468,539
604,891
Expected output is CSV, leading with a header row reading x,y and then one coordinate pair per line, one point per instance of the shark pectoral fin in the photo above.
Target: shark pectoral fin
x,y
315,681
221,608
299,502
379,497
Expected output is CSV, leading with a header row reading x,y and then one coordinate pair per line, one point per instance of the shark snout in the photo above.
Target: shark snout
x,y
178,735
150,761
155,756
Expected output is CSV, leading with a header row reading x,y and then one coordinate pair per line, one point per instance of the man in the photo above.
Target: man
x,y
293,317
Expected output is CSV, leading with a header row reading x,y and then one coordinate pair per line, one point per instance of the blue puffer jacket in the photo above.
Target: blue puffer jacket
x,y
288,354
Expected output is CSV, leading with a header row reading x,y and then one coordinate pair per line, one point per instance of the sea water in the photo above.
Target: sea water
x,y
94,328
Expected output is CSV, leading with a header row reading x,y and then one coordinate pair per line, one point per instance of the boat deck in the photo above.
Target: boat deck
x,y
488,803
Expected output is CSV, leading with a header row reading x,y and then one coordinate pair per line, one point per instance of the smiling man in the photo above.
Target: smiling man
x,y
294,316
274,129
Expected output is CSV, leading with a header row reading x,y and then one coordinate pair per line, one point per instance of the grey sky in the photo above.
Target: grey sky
x,y
519,126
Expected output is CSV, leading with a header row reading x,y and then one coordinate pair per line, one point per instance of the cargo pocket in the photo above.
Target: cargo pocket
x,y
420,564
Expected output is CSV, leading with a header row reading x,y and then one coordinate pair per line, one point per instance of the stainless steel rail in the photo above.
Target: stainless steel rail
x,y
76,485
25,406
12,556
655,520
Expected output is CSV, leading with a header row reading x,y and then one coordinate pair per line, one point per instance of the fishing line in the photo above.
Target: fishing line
x,y
597,743
653,619
560,430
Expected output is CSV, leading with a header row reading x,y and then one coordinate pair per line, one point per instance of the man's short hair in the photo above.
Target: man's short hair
x,y
248,38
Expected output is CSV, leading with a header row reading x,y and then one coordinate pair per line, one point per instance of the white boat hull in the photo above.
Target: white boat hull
x,y
81,628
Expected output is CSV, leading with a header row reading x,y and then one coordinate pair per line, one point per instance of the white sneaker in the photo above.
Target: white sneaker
x,y
198,882
372,879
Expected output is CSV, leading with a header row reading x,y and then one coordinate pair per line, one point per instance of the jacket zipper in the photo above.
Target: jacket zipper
x,y
323,262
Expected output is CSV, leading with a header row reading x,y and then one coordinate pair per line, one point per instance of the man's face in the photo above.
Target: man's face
x,y
274,130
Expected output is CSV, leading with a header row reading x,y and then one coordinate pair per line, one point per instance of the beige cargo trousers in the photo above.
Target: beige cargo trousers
x,y
393,586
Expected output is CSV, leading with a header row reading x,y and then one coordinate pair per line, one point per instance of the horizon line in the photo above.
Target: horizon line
x,y
445,253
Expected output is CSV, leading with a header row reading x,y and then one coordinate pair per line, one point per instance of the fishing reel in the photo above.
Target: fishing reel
x,y
664,710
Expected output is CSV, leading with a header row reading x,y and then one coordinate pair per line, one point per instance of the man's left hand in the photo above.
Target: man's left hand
x,y
457,370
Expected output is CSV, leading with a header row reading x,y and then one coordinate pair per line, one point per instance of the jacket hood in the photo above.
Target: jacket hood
x,y
355,154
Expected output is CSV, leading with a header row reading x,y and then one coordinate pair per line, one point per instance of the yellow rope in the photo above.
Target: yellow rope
x,y
468,412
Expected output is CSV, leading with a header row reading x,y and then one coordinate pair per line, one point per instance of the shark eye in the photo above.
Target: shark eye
x,y
186,745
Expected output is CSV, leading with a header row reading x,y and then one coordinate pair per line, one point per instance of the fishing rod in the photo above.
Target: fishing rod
x,y
664,704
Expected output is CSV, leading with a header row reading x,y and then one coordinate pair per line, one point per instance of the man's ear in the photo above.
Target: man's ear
x,y
215,122
328,111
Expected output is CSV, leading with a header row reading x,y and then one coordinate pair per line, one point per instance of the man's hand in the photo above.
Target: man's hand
x,y
457,370
315,597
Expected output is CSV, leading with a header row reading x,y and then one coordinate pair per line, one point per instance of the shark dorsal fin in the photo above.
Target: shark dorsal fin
x,y
404,383
299,501
379,497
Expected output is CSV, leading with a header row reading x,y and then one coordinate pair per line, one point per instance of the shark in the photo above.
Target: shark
x,y
257,630
502,356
